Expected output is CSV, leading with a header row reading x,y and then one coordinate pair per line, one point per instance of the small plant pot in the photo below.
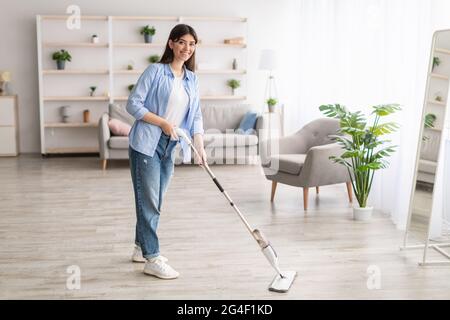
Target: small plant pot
x,y
86,115
148,38
362,214
65,113
60,64
271,108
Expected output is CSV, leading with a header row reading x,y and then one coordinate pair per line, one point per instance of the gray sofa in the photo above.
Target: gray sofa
x,y
222,144
302,159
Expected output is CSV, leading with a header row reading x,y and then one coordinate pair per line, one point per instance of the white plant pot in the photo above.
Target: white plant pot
x,y
95,39
362,214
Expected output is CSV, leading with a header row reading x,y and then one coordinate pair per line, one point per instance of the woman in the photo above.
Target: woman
x,y
166,96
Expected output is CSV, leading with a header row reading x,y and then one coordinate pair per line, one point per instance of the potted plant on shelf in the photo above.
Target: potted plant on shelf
x,y
94,38
130,87
271,103
61,57
153,58
233,84
436,62
92,90
148,33
429,120
363,148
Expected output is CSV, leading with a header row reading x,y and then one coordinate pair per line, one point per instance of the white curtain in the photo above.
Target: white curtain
x,y
359,54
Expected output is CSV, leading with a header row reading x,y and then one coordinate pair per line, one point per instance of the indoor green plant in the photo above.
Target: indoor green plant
x,y
92,90
130,87
233,84
61,57
153,58
364,150
148,33
436,62
271,103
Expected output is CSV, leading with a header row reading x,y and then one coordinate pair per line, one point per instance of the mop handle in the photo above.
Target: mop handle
x,y
222,190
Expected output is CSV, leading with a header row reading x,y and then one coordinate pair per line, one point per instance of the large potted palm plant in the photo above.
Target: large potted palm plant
x,y
365,149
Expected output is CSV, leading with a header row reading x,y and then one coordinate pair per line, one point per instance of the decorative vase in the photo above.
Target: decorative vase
x,y
60,64
235,64
362,214
86,116
65,113
148,38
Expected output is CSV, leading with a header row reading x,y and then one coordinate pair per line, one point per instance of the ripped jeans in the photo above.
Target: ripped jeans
x,y
150,176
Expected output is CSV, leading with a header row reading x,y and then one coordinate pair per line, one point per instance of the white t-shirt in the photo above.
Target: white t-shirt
x,y
178,102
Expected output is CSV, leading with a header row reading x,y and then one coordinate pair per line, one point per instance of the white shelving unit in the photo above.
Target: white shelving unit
x,y
104,65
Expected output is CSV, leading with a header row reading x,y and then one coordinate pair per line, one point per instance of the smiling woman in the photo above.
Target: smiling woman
x,y
164,98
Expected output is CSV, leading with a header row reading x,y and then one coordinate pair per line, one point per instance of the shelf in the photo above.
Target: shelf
x,y
158,45
71,125
221,71
75,44
197,71
61,17
222,97
72,150
68,71
441,50
439,103
434,129
181,18
64,98
438,76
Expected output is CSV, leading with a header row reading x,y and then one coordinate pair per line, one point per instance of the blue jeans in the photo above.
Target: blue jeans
x,y
150,176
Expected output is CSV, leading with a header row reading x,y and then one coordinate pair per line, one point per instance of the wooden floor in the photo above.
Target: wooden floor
x,y
59,212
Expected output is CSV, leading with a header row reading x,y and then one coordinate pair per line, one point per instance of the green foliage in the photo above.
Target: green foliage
x,y
153,58
436,62
147,30
362,144
61,55
233,83
271,102
130,87
430,118
92,88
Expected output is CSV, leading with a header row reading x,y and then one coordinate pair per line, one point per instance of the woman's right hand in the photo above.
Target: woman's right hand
x,y
169,129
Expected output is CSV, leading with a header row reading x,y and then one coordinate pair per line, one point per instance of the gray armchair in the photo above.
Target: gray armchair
x,y
302,159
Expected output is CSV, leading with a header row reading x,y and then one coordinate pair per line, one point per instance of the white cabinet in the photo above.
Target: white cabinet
x,y
9,132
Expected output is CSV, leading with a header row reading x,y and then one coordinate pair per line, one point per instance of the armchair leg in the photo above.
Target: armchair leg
x,y
349,191
317,190
305,198
103,162
274,187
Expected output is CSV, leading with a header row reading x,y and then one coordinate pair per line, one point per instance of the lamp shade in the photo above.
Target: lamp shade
x,y
5,76
268,60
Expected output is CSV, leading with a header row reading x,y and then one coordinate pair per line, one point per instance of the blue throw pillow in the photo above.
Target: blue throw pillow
x,y
247,125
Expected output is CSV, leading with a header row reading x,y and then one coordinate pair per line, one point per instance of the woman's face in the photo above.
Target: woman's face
x,y
183,48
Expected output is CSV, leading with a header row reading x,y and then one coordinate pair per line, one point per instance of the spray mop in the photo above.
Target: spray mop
x,y
283,279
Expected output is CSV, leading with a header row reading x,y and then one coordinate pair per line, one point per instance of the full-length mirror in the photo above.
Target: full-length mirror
x,y
431,137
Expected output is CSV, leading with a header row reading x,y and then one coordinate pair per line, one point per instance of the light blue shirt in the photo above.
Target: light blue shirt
x,y
151,94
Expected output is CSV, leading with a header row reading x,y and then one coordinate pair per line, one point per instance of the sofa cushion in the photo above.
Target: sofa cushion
x,y
116,111
247,124
118,142
288,163
229,140
427,166
222,118
119,128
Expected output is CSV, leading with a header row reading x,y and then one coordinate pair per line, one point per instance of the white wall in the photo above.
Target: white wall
x,y
271,24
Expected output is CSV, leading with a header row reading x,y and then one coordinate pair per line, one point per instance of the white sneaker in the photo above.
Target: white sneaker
x,y
158,268
138,257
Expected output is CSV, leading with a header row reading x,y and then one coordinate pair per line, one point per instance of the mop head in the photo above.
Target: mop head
x,y
280,284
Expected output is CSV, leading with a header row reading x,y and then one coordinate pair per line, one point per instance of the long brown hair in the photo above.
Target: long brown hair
x,y
177,32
